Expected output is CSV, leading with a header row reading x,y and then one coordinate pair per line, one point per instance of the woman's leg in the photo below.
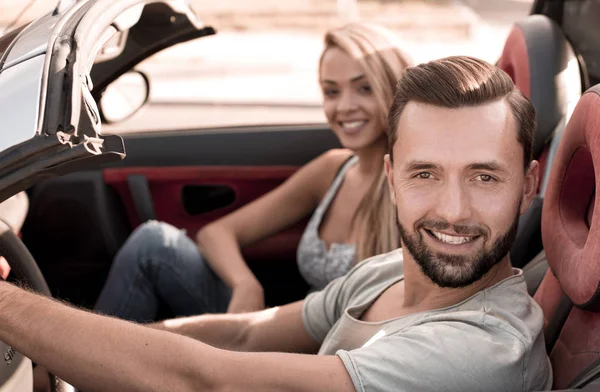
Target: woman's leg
x,y
161,264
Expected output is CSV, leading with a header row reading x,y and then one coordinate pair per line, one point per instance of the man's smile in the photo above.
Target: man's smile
x,y
450,241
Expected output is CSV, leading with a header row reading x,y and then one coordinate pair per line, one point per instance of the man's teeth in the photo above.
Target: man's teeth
x,y
353,124
450,239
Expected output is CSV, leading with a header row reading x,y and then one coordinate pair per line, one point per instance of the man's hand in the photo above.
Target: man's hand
x,y
247,296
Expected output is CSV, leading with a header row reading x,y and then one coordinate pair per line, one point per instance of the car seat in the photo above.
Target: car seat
x,y
570,291
543,65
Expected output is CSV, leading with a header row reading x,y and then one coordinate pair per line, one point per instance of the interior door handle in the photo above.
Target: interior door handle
x,y
199,199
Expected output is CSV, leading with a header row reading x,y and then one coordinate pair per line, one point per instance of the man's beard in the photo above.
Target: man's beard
x,y
448,270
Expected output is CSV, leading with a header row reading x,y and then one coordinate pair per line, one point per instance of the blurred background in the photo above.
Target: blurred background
x,y
261,67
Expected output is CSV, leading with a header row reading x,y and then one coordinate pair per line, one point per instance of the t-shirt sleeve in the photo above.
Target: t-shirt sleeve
x,y
322,309
442,356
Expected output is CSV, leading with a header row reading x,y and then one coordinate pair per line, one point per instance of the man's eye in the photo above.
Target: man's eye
x,y
423,175
485,178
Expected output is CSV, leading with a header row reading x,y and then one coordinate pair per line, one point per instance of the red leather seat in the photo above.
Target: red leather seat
x,y
543,65
571,236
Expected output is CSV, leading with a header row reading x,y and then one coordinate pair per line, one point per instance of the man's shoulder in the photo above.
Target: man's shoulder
x,y
503,320
505,309
371,275
461,355
509,307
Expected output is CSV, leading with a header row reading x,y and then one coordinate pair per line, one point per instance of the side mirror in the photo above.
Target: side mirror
x,y
124,97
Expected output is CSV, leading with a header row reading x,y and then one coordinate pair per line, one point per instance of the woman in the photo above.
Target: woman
x,y
353,215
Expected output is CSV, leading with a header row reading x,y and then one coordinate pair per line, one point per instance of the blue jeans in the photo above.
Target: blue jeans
x,y
160,266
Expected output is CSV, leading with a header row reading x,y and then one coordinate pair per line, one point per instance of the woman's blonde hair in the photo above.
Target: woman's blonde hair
x,y
375,49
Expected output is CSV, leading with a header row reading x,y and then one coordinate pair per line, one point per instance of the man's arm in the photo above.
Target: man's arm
x,y
276,329
94,353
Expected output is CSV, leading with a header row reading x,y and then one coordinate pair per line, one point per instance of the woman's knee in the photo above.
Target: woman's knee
x,y
154,234
152,240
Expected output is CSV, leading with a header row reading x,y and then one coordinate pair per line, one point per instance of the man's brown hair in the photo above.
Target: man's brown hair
x,y
460,81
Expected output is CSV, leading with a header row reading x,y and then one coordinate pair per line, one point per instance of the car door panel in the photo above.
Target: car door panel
x,y
167,185
186,173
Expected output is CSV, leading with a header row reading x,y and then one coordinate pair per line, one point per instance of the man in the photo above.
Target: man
x,y
445,312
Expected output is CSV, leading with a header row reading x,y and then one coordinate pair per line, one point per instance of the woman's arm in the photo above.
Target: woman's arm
x,y
221,241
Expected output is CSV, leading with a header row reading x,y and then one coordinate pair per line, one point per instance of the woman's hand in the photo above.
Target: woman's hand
x,y
247,296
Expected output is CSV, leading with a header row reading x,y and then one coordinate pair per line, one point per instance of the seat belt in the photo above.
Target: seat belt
x,y
556,323
142,198
590,374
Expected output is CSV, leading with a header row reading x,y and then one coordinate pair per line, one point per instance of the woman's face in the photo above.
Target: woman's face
x,y
348,100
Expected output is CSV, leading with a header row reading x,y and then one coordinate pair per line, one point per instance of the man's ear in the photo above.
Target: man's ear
x,y
389,173
530,185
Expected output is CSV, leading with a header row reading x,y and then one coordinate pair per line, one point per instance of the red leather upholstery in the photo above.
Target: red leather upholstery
x,y
577,347
541,62
166,185
573,246
548,295
571,236
515,60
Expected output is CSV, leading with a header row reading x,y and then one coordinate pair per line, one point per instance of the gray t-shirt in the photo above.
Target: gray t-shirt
x,y
492,341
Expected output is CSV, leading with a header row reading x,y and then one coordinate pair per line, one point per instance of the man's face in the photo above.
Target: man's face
x,y
459,187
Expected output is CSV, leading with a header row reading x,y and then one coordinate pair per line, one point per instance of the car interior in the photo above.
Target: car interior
x,y
76,223
543,65
569,293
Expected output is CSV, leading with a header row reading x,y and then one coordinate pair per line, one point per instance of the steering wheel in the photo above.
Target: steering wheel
x,y
25,270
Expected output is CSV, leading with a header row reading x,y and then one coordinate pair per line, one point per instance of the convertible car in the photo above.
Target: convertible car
x,y
65,75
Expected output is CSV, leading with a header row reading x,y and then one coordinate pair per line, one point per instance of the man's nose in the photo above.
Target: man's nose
x,y
454,203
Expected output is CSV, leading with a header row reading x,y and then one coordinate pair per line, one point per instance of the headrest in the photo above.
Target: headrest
x,y
570,229
541,62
